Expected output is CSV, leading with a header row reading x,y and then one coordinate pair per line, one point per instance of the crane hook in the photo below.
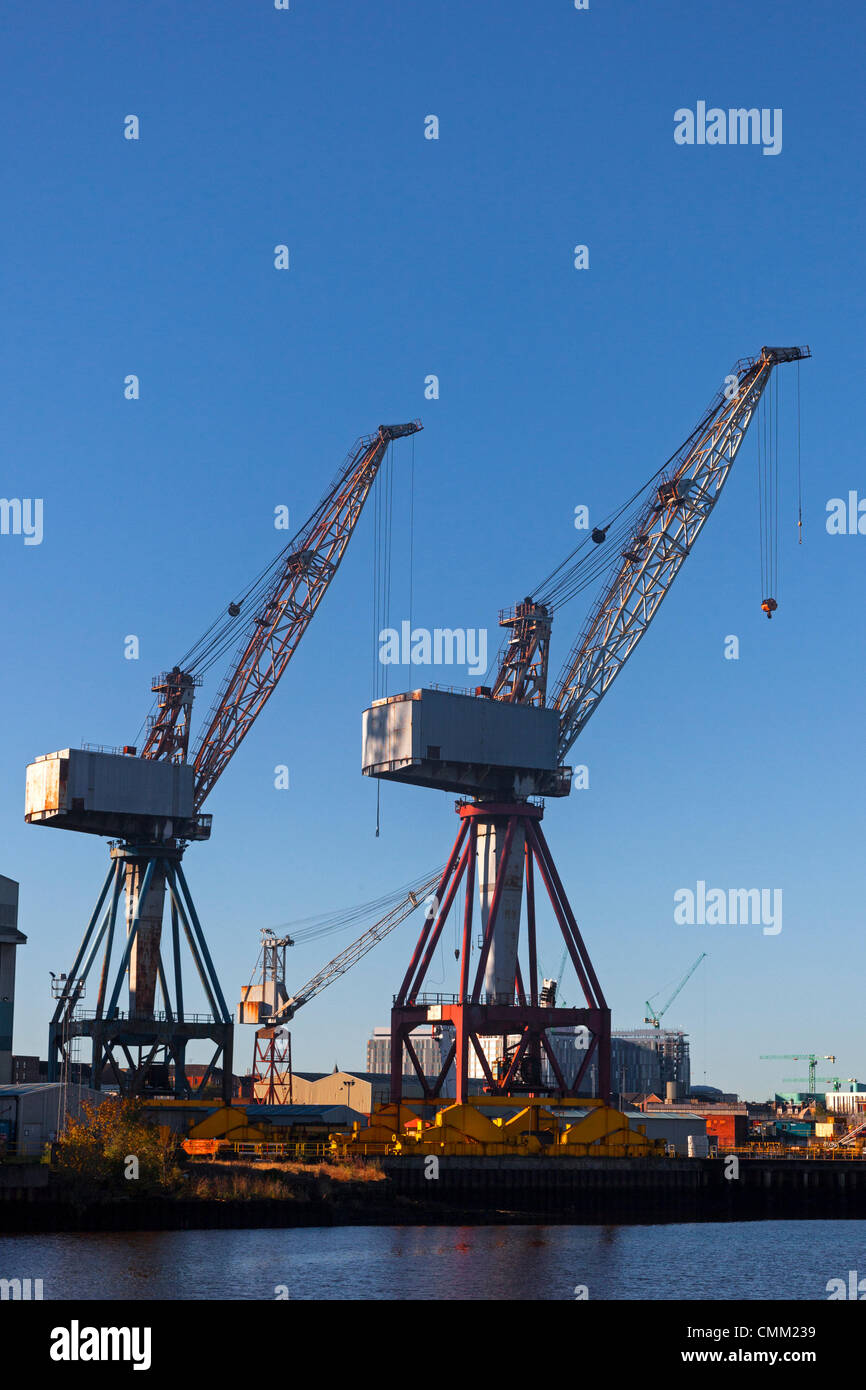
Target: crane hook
x,y
769,606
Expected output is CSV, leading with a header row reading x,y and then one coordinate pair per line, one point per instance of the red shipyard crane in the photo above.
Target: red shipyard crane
x,y
507,744
150,803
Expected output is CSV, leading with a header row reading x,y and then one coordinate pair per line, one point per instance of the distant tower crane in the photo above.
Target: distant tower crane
x,y
813,1058
151,804
508,743
654,1017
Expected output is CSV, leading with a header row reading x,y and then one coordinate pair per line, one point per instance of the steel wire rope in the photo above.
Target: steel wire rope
x,y
312,928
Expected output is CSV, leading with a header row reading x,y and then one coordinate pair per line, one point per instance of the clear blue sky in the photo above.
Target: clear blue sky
x,y
558,387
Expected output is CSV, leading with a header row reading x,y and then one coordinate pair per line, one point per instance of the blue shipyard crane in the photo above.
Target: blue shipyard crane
x,y
151,801
509,742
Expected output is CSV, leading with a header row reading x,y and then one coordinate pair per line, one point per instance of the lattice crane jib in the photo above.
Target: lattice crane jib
x,y
664,536
272,631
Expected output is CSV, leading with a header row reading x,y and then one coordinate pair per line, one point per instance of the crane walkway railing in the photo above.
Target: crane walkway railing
x,y
810,1151
118,1015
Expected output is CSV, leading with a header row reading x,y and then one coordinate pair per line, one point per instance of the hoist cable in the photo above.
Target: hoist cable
x,y
306,929
558,591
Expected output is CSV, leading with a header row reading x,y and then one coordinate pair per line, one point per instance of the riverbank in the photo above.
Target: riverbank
x,y
411,1191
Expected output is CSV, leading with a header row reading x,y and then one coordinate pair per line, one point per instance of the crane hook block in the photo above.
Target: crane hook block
x,y
769,606
598,535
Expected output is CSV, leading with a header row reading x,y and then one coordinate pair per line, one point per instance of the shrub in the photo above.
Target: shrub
x,y
113,1150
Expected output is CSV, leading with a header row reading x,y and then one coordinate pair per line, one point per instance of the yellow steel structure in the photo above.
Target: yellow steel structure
x,y
230,1122
535,1126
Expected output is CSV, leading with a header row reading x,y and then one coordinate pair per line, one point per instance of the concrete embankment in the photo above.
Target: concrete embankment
x,y
597,1190
467,1191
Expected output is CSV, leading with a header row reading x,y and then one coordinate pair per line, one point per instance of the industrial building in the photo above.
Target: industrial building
x,y
32,1116
647,1059
10,939
26,1069
359,1090
726,1124
685,1132
849,1101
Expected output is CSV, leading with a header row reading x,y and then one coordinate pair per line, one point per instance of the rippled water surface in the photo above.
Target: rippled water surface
x,y
761,1259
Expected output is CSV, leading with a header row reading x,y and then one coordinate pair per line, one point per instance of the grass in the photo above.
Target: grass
x,y
220,1180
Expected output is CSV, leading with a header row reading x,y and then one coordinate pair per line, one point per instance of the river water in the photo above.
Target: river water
x,y
731,1260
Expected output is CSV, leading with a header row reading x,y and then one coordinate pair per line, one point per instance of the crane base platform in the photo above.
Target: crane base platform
x,y
141,1050
505,1037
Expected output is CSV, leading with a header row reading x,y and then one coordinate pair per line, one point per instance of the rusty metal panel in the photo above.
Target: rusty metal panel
x,y
46,784
77,783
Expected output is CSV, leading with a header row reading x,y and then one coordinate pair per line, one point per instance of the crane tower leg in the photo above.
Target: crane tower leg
x,y
504,844
142,1050
493,865
144,958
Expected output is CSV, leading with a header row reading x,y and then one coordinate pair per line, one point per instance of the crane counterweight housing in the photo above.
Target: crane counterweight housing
x,y
464,743
112,794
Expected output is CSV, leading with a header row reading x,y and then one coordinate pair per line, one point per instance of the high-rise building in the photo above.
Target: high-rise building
x,y
26,1071
567,1045
642,1059
426,1043
647,1059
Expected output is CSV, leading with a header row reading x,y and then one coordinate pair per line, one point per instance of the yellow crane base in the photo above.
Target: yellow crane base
x,y
540,1125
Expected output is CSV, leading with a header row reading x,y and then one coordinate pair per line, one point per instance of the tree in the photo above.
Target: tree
x,y
111,1148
